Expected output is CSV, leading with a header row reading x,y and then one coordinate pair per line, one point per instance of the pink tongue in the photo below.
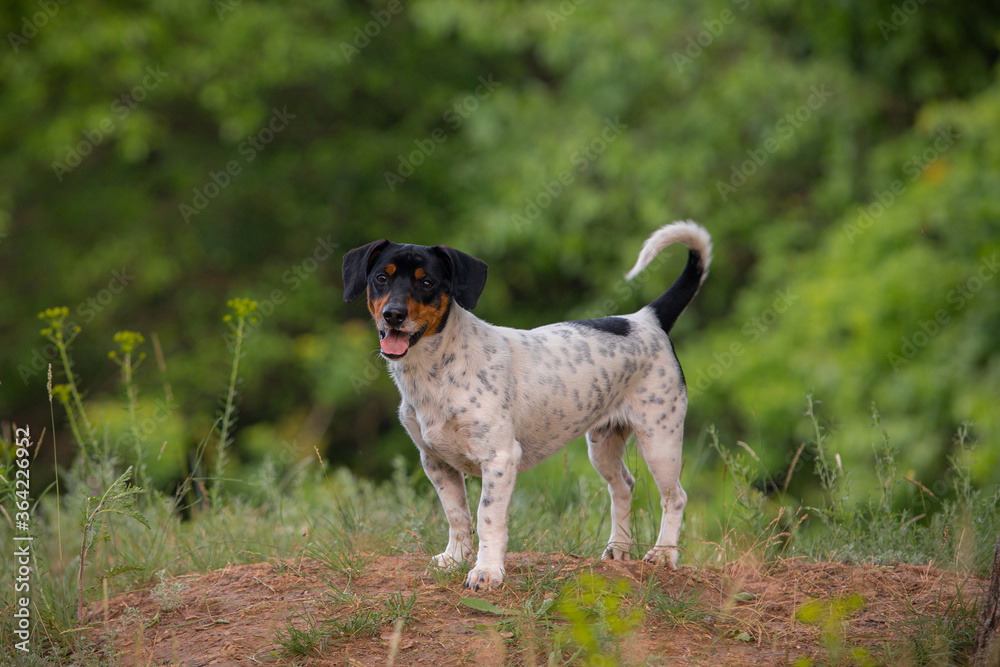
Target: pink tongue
x,y
395,343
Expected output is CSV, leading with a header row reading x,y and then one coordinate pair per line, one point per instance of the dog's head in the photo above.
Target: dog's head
x,y
410,288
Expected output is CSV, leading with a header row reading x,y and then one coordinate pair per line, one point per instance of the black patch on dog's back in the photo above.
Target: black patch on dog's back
x,y
617,326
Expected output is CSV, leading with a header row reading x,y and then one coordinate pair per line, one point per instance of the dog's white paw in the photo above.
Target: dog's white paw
x,y
617,552
484,577
662,556
446,561
456,553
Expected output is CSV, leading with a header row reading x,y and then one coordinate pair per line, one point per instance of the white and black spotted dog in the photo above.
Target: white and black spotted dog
x,y
491,401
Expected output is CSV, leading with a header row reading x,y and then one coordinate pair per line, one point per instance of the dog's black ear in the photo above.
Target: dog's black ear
x,y
357,264
468,276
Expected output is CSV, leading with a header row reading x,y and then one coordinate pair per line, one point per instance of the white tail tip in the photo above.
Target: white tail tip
x,y
688,233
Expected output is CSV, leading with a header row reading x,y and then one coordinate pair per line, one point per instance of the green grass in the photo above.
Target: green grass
x,y
346,616
941,638
220,516
302,638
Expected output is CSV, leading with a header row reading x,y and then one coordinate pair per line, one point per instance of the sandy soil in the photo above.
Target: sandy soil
x,y
738,615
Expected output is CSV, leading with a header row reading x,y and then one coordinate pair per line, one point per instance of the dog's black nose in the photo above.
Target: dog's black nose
x,y
394,315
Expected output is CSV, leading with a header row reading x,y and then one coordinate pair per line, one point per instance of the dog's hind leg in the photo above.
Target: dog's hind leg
x,y
606,445
661,448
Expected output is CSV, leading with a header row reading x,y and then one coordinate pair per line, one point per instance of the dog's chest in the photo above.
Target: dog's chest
x,y
455,405
456,435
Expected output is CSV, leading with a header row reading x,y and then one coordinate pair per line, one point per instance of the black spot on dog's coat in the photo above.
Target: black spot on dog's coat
x,y
617,326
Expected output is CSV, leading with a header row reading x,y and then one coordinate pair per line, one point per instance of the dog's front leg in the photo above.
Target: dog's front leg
x,y
450,486
499,473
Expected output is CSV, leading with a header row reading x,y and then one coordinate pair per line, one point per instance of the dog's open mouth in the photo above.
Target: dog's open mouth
x,y
395,343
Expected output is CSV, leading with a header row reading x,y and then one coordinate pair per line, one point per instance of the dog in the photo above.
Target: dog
x,y
490,401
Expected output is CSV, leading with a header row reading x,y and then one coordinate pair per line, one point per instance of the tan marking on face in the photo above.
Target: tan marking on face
x,y
390,269
419,274
375,307
429,315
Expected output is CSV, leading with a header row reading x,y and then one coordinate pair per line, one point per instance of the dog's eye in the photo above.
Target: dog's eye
x,y
427,283
381,279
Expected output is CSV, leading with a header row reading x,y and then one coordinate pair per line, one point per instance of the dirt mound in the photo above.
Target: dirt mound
x,y
343,613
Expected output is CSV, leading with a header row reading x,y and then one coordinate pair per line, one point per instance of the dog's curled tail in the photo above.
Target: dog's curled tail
x,y
672,303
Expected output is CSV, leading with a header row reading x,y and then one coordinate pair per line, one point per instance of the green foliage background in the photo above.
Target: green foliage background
x,y
158,158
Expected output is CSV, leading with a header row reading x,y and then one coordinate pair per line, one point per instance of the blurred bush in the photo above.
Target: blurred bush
x,y
159,158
